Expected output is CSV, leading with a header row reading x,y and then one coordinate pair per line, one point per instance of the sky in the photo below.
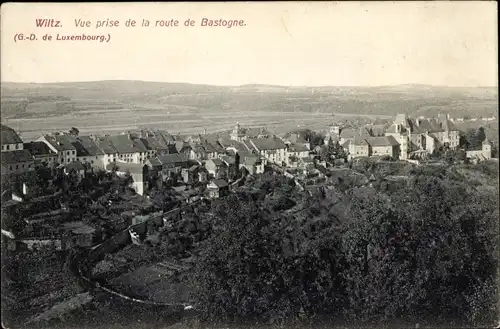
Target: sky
x,y
283,43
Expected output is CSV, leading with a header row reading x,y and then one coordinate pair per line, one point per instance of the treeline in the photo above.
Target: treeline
x,y
426,254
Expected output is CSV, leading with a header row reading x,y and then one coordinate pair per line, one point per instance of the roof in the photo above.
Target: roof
x,y
154,162
251,160
220,183
105,145
217,162
60,142
295,137
133,168
180,145
9,136
298,148
268,143
76,165
126,143
171,158
228,159
38,148
347,133
382,141
16,156
346,143
85,146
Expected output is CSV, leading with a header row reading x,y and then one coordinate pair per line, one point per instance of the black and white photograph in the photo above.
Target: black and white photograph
x,y
238,165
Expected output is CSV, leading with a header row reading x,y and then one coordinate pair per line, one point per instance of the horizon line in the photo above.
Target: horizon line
x,y
252,84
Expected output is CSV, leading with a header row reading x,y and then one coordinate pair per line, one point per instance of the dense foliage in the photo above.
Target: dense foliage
x,y
426,253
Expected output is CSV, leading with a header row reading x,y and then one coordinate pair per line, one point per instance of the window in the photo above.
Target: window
x,y
23,165
73,152
8,147
67,153
17,146
17,166
10,167
92,161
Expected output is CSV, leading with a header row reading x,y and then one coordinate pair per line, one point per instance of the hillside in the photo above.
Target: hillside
x,y
98,106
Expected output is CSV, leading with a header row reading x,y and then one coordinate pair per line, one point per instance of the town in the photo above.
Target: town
x,y
66,190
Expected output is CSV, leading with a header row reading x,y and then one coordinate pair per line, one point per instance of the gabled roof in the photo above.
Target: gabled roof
x,y
297,148
85,146
127,144
180,145
272,143
216,162
171,158
220,183
154,162
133,168
60,142
382,141
9,136
16,156
346,143
486,141
228,159
105,145
38,148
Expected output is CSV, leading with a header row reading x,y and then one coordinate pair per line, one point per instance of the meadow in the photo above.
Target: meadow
x,y
116,106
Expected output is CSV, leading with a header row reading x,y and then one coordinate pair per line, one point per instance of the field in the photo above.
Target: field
x,y
116,106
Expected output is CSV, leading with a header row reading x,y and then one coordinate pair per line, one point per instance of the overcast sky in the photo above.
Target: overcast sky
x,y
337,44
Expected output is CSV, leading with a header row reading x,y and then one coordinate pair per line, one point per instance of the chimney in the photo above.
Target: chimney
x,y
129,135
448,116
417,122
204,131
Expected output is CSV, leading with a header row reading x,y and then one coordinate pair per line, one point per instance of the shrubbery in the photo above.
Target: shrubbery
x,y
426,253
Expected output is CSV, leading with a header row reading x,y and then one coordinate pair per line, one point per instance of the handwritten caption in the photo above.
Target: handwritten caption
x,y
48,23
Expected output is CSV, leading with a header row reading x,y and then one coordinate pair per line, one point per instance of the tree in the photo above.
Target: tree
x,y
74,131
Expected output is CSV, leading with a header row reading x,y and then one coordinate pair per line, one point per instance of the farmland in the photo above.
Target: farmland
x,y
115,106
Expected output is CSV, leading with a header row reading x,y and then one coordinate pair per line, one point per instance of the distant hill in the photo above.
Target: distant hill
x,y
24,100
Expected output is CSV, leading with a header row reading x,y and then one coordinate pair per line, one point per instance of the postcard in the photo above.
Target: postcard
x,y
249,164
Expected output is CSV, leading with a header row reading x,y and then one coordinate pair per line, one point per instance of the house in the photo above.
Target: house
x,y
415,135
480,155
157,142
10,140
154,164
273,149
341,135
374,146
216,168
129,148
172,163
296,152
41,153
110,154
87,151
138,172
251,162
297,139
75,167
185,150
16,162
383,146
359,148
217,188
62,146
